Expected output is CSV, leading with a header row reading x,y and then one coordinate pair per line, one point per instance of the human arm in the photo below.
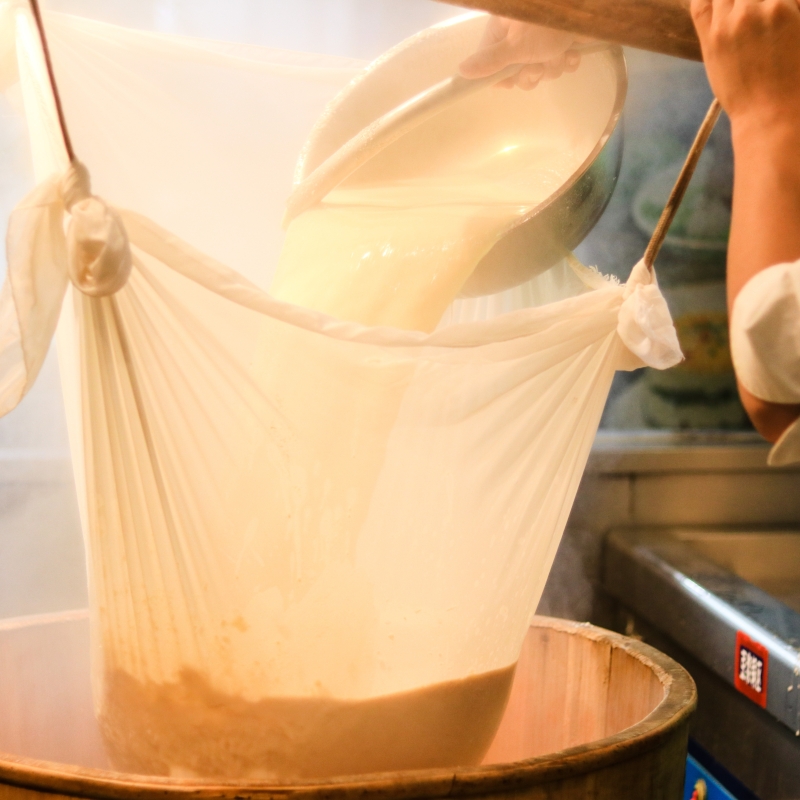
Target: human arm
x,y
752,53
542,52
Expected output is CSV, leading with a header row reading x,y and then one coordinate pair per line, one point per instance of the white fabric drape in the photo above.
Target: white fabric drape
x,y
282,502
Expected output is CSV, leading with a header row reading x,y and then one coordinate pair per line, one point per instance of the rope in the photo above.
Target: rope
x,y
51,75
681,185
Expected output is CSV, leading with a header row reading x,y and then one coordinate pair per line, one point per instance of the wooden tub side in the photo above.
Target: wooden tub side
x,y
592,715
612,722
600,690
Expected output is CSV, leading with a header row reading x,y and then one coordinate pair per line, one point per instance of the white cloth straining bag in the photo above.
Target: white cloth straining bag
x,y
279,506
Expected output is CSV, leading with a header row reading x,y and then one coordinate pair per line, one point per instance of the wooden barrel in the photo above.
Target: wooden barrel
x,y
592,714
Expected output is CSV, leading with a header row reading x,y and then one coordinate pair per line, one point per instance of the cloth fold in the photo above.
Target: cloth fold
x,y
767,312
33,292
645,324
765,327
95,255
278,504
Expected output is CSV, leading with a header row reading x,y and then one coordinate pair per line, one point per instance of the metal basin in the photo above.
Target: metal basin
x,y
582,110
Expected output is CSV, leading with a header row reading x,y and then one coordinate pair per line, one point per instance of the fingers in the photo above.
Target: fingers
x,y
508,83
529,76
485,61
497,56
711,16
544,53
778,7
571,61
702,14
553,69
495,31
491,55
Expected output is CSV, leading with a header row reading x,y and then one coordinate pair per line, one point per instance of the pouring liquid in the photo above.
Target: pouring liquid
x,y
398,253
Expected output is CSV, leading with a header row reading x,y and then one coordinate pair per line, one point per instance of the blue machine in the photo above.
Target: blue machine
x,y
702,785
706,779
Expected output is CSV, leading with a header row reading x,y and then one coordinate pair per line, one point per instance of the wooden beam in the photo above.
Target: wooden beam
x,y
661,26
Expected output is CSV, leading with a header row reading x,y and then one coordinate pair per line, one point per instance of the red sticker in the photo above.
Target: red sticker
x,y
750,669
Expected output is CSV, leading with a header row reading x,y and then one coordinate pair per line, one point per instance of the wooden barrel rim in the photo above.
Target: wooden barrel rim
x,y
680,700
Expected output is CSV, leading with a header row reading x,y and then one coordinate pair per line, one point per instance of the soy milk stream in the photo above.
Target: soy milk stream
x,y
397,254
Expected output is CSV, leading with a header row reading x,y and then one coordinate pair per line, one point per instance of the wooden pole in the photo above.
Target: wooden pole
x,y
661,26
682,184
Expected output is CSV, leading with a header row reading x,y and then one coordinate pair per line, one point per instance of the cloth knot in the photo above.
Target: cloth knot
x,y
98,252
645,325
640,276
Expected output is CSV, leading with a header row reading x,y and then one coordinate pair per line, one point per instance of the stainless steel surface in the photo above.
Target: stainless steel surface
x,y
560,224
646,478
532,243
760,751
684,582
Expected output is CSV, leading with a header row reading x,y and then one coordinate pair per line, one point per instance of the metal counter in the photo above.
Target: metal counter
x,y
670,583
725,604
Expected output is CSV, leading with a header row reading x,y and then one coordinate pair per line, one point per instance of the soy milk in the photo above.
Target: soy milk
x,y
398,253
